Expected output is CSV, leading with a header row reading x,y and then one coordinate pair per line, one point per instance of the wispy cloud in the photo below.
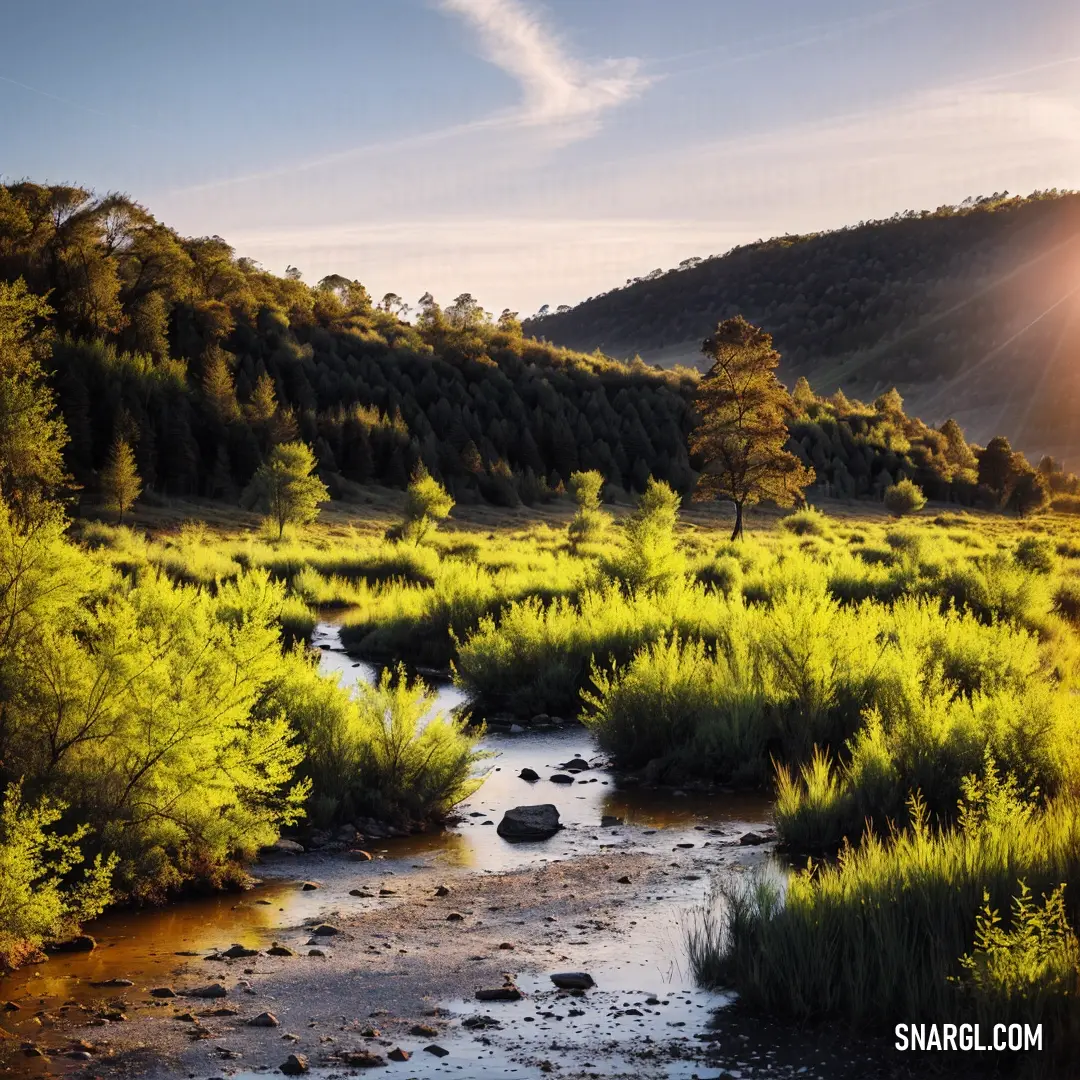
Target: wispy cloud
x,y
562,97
557,89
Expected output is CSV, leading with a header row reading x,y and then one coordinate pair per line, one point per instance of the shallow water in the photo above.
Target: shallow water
x,y
147,946
474,842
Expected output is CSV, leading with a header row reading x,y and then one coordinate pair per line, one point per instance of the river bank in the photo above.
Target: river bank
x,y
387,955
608,901
417,934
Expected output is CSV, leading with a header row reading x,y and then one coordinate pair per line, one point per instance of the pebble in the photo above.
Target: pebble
x,y
365,1059
752,838
573,980
294,1065
499,993
238,951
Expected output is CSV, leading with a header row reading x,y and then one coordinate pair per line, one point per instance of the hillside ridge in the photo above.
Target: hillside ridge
x,y
972,311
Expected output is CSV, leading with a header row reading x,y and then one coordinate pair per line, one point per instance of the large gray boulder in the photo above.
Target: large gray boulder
x,y
530,822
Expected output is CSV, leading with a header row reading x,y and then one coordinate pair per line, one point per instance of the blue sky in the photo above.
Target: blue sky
x,y
535,152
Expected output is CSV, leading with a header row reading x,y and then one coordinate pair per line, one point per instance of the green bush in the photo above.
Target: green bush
x,y
296,619
423,625
1067,600
995,587
903,928
723,573
685,711
651,557
40,897
1036,553
537,657
378,751
426,503
904,498
134,705
807,522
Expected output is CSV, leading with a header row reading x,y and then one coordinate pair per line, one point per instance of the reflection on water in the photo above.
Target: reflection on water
x,y
144,946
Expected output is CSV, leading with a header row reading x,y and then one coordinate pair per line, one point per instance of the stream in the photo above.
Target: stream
x,y
149,946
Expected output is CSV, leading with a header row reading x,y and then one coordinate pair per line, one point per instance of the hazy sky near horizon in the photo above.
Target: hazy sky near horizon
x,y
534,152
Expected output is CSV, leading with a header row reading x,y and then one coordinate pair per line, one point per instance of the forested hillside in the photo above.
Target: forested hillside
x,y
201,360
971,311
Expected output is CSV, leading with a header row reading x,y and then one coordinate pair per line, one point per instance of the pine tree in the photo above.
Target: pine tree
x,y
426,502
803,395
743,411
286,488
998,465
120,483
219,388
590,521
957,451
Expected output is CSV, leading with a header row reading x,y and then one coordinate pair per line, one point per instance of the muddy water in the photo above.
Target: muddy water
x,y
151,947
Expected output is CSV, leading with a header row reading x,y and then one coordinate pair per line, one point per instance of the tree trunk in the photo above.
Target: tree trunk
x,y
737,533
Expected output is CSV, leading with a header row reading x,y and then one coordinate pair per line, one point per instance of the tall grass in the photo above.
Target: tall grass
x,y
424,625
859,705
963,923
538,657
379,751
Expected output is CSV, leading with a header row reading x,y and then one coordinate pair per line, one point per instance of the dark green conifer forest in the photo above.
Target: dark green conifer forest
x,y
201,361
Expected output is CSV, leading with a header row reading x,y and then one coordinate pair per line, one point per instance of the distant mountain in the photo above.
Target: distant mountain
x,y
970,311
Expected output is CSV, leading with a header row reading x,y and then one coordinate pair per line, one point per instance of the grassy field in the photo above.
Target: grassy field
x,y
905,688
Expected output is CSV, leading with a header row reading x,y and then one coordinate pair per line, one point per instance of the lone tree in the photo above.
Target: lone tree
x,y
426,501
286,488
743,410
998,466
120,483
651,558
589,522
